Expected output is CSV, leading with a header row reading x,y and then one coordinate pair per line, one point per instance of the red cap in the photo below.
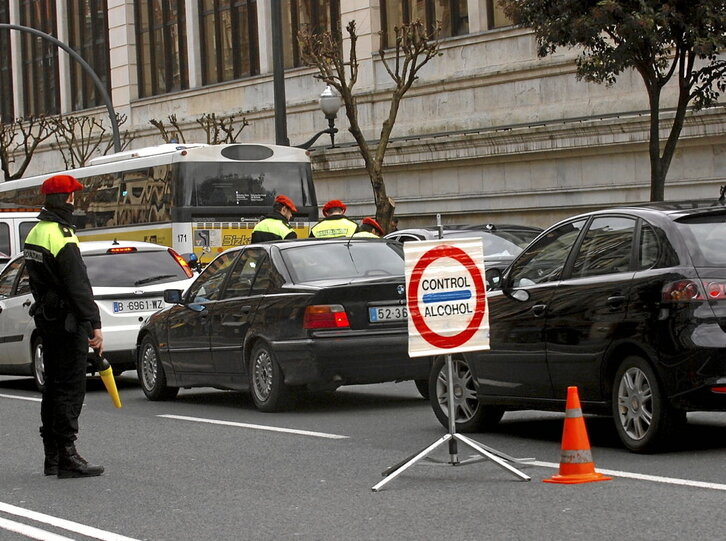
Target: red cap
x,y
374,224
60,184
333,204
285,200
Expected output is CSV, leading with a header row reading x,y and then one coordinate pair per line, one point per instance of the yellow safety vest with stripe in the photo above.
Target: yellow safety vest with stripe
x,y
49,235
334,226
366,234
272,228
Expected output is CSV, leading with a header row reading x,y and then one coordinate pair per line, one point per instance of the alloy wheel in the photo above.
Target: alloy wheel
x,y
149,367
262,375
466,404
635,403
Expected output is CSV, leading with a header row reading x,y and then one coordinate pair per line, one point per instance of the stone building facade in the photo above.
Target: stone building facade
x,y
489,132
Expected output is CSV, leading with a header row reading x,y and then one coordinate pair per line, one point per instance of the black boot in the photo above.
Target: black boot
x,y
71,464
50,466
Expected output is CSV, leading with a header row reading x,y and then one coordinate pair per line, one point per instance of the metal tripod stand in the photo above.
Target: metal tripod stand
x,y
484,452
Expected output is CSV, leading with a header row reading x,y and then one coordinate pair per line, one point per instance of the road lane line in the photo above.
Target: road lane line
x,y
257,427
20,397
88,531
31,531
644,477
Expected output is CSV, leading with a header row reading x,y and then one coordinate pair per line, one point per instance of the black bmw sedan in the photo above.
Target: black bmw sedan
x,y
277,318
628,304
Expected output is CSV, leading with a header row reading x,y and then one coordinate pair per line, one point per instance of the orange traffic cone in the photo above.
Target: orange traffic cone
x,y
576,465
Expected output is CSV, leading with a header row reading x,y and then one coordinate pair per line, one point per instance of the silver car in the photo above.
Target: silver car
x,y
128,280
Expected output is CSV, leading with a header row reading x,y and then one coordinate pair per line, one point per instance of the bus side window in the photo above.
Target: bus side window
x,y
5,238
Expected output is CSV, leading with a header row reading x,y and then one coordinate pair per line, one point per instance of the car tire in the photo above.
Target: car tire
x,y
643,417
423,387
37,367
151,372
267,385
470,415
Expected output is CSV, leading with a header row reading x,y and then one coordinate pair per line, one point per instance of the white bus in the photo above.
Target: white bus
x,y
191,197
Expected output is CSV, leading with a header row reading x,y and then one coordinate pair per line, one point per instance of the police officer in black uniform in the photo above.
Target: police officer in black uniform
x,y
276,226
68,321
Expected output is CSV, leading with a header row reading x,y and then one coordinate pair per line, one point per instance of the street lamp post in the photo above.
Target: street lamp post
x,y
330,103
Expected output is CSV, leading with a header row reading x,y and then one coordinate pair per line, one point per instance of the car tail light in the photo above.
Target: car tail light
x,y
694,290
121,250
325,316
182,263
721,389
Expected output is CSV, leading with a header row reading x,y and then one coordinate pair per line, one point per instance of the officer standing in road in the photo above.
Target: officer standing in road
x,y
68,321
276,226
335,224
369,228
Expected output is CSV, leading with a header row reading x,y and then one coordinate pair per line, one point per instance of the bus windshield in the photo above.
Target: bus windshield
x,y
241,184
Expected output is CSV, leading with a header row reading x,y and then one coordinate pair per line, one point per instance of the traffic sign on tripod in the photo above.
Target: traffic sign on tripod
x,y
447,305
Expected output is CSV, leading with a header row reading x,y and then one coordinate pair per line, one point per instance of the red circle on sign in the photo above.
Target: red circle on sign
x,y
432,337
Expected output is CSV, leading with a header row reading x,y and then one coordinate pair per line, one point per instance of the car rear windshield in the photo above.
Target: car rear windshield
x,y
494,246
705,238
333,260
133,269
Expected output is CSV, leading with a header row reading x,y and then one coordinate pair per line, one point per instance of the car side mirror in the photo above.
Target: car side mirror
x,y
173,296
493,278
520,295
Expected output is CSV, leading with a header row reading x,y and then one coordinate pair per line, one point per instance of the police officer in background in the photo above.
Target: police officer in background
x,y
335,223
68,321
369,228
276,226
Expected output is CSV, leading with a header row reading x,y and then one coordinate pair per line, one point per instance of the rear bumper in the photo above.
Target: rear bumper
x,y
331,361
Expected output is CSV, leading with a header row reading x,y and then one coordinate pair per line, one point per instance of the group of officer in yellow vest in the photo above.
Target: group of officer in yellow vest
x,y
335,223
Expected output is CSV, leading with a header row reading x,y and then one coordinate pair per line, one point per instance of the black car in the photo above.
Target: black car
x,y
502,242
277,318
628,304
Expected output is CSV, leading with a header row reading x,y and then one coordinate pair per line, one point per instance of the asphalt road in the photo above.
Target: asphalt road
x,y
208,466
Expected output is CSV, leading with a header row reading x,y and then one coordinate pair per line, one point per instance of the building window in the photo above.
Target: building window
x,y
497,18
313,15
230,48
88,36
161,46
40,58
452,15
6,76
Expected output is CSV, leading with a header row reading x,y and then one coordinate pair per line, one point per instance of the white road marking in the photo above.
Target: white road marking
x,y
88,531
31,531
644,477
257,427
20,397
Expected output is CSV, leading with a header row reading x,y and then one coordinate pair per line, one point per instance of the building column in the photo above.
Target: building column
x,y
479,15
16,49
194,43
367,16
122,55
264,35
64,59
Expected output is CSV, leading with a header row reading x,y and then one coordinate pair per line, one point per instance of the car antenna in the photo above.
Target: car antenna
x,y
115,242
722,197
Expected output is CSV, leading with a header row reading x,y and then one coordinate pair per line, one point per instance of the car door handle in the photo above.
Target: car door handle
x,y
616,301
26,304
539,310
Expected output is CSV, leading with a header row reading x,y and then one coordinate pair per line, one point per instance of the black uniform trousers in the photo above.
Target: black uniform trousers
x,y
65,359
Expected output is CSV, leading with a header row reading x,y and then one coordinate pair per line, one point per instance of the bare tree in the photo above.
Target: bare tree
x,y
414,48
218,129
79,138
167,134
19,139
